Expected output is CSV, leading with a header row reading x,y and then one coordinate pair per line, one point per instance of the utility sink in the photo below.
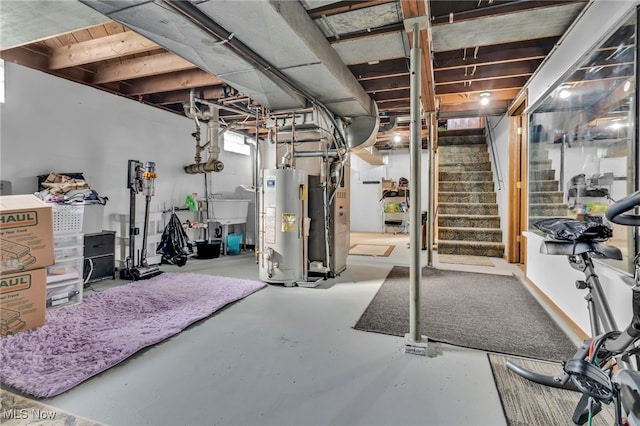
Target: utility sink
x,y
228,212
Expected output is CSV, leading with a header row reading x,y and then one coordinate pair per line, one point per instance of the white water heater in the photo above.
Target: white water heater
x,y
284,226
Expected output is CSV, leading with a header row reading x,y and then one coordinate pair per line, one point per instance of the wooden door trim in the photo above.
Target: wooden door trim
x,y
518,129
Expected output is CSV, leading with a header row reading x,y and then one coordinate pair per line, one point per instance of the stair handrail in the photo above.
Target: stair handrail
x,y
494,154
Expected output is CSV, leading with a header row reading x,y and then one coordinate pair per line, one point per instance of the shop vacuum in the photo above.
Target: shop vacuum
x,y
140,179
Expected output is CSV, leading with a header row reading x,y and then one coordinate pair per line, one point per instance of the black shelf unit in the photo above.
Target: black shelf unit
x,y
99,256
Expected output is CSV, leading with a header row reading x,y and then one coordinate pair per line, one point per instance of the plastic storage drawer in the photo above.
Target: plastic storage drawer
x,y
68,240
64,270
66,294
65,253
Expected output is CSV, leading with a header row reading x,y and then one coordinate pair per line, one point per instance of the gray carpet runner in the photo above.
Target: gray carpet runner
x,y
468,221
490,312
526,403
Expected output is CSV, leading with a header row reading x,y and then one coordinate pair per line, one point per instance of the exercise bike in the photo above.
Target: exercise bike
x,y
605,367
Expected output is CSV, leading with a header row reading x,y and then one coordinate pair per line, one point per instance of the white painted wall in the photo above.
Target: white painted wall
x,y
366,208
50,124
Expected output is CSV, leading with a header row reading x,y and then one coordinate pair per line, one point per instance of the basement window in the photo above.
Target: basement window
x,y
234,142
583,153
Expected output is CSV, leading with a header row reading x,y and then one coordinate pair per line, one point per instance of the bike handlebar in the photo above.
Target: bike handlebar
x,y
614,211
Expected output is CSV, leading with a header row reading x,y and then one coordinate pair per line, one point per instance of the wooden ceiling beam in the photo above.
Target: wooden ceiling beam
x,y
395,101
386,68
31,57
386,84
141,67
506,62
496,59
412,9
495,53
483,85
472,109
181,96
174,81
474,73
405,75
392,94
503,94
99,49
395,104
28,57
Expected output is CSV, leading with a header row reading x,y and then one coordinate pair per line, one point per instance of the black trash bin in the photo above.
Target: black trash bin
x,y
208,249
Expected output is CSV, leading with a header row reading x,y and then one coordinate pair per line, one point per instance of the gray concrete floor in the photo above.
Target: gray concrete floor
x,y
290,356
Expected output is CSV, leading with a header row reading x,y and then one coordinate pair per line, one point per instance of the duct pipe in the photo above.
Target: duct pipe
x,y
284,162
390,127
415,271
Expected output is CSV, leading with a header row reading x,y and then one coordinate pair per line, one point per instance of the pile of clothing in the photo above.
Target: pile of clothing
x,y
59,184
67,188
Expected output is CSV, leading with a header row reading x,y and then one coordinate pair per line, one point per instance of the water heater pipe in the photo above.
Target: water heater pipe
x,y
211,115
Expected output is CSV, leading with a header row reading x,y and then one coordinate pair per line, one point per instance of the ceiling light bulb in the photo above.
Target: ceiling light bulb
x,y
564,94
397,138
484,100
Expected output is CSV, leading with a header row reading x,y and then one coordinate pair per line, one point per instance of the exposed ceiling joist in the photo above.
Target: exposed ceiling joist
x,y
475,47
99,49
141,67
173,81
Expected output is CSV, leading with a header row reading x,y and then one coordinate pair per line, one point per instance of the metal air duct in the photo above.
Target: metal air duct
x,y
296,66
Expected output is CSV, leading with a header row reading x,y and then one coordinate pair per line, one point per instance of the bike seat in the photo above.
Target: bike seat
x,y
569,247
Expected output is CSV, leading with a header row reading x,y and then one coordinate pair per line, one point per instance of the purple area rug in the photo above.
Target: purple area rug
x,y
83,340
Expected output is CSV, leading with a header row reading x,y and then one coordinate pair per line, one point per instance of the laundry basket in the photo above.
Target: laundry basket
x,y
67,218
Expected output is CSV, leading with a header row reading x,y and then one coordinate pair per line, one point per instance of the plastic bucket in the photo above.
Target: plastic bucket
x,y
208,250
233,243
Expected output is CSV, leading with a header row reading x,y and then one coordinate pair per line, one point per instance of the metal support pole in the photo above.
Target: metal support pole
x,y
431,190
256,185
562,152
415,270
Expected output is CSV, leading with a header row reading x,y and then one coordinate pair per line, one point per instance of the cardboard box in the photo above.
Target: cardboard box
x,y
26,233
22,301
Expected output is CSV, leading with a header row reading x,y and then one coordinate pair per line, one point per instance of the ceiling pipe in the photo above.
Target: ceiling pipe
x,y
203,21
211,116
324,154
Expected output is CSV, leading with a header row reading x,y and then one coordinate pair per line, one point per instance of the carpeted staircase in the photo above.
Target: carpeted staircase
x,y
545,198
468,221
